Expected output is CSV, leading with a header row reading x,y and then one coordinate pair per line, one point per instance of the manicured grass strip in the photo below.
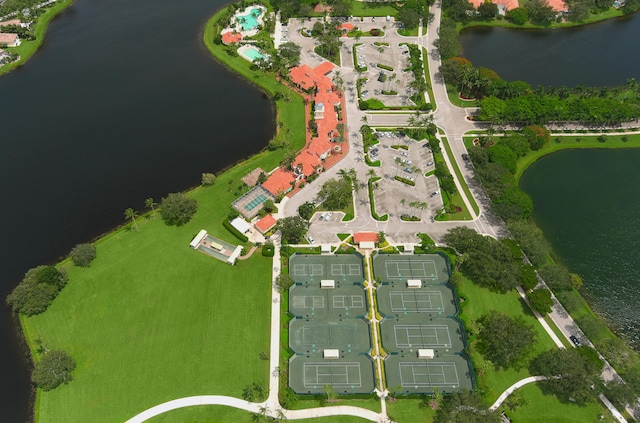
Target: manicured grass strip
x,y
372,203
427,76
570,141
557,331
27,48
408,411
456,169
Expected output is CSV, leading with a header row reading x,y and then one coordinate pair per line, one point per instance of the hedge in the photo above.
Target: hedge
x,y
234,231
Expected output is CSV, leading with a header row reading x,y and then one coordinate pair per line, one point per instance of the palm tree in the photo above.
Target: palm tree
x,y
403,202
398,161
338,81
371,173
131,214
149,203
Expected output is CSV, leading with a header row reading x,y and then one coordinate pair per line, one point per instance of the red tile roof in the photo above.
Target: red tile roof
x,y
365,237
324,68
279,182
231,37
266,223
11,22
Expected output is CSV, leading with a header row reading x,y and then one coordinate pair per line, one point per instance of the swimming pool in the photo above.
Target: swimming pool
x,y
250,20
253,54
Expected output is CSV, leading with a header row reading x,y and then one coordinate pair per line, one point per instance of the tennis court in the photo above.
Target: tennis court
x,y
447,373
430,268
413,332
436,301
312,338
350,375
313,302
311,268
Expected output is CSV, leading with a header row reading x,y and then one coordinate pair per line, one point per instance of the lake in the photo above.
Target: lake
x,y
122,103
605,53
587,203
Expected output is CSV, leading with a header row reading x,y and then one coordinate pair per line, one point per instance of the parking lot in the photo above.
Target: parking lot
x,y
411,164
369,55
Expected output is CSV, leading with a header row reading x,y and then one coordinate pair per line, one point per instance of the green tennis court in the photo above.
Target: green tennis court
x,y
312,268
349,375
312,338
414,332
434,301
412,375
394,268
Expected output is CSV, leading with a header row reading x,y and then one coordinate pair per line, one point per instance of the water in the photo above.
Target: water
x,y
587,202
605,53
249,20
253,54
123,102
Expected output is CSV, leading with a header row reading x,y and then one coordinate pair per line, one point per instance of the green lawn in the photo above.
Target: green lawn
x,y
479,301
456,169
28,48
359,8
151,321
543,408
407,411
221,414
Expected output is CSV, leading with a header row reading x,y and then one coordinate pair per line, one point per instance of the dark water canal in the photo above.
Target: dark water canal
x,y
122,103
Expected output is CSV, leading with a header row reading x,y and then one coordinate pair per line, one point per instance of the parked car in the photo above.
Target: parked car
x,y
575,340
429,163
465,157
434,193
311,240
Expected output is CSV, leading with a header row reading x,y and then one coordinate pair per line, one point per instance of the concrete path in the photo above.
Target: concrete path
x,y
512,388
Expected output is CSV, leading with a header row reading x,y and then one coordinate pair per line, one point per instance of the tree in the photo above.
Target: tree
x,y
330,392
540,300
150,204
131,214
289,54
208,179
336,194
409,17
528,277
176,209
293,228
464,406
83,254
448,44
505,341
53,370
254,392
570,373
37,290
306,210
488,10
518,16
283,282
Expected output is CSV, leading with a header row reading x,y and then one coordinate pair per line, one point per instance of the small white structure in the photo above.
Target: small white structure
x,y
327,284
236,253
325,249
367,245
409,248
198,239
414,283
426,354
331,354
318,111
241,225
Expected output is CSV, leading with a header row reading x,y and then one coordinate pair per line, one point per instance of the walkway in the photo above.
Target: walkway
x,y
512,388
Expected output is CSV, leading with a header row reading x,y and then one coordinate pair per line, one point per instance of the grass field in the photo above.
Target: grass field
x,y
479,301
456,169
150,321
220,414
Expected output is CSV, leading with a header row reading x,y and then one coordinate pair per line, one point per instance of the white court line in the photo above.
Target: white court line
x,y
333,369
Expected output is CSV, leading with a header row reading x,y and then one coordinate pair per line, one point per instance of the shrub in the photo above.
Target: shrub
x,y
83,254
234,231
176,209
53,370
375,32
268,249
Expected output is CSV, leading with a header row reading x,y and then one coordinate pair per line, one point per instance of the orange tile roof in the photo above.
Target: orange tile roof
x,y
279,181
266,223
231,37
324,68
6,38
365,237
345,27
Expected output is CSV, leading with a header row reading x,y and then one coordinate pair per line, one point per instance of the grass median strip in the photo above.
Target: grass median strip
x,y
458,173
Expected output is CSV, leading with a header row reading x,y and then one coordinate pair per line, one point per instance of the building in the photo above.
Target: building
x,y
10,40
4,57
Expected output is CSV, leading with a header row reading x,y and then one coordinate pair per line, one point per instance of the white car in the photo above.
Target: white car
x,y
311,240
